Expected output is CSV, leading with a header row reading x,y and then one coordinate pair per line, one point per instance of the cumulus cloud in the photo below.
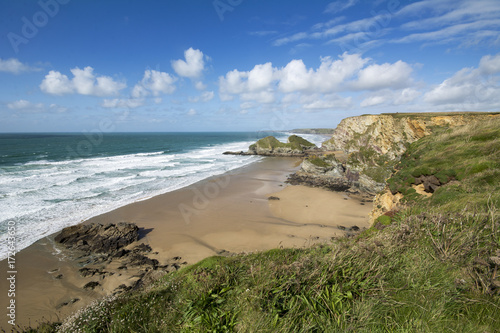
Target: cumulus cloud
x,y
57,84
332,76
192,112
490,64
326,78
84,82
387,75
14,66
251,85
193,65
154,83
476,87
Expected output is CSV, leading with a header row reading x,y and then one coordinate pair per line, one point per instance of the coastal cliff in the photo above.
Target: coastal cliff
x,y
363,150
389,134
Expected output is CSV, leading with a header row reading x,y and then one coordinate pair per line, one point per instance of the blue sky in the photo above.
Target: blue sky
x,y
236,65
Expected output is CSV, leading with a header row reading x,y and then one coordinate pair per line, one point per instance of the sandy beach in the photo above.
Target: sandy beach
x,y
230,213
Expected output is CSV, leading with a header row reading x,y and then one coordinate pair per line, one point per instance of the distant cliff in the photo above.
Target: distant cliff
x,y
325,131
295,146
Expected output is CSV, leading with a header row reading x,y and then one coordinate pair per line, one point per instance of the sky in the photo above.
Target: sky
x,y
240,65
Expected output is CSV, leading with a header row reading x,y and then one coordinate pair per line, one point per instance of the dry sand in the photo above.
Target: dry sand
x,y
229,212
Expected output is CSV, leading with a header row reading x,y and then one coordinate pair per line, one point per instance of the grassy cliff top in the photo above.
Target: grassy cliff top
x,y
313,130
435,114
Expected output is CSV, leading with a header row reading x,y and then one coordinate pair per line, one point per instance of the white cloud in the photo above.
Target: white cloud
x,y
57,84
192,66
295,77
373,77
448,12
462,22
329,101
349,72
263,33
450,33
84,82
265,96
206,96
122,103
455,89
14,66
260,77
247,105
29,107
406,96
192,112
490,64
390,97
200,85
251,85
233,82
475,87
339,6
23,104
294,38
57,108
154,83
373,100
328,77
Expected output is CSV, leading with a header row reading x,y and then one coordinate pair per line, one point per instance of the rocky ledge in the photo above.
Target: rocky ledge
x,y
107,252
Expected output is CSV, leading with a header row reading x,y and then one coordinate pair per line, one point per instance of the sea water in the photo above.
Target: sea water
x,y
51,181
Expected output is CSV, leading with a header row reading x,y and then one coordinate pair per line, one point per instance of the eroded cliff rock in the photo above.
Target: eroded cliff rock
x,y
373,144
388,134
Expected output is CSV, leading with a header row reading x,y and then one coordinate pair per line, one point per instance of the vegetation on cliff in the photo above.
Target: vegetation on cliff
x,y
269,145
431,266
324,131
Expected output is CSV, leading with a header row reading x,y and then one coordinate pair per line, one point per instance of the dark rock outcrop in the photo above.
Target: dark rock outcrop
x,y
431,183
98,238
333,184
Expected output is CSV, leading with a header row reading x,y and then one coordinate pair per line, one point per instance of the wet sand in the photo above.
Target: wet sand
x,y
229,212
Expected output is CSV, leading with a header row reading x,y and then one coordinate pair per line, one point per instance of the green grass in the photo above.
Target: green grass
x,y
297,140
469,154
428,270
294,142
319,162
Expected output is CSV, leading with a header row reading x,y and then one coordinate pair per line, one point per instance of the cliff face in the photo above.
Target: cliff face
x,y
388,134
368,147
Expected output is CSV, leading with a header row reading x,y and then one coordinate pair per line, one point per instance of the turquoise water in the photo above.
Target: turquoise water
x,y
51,181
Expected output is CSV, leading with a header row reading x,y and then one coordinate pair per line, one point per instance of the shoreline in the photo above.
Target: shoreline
x,y
223,214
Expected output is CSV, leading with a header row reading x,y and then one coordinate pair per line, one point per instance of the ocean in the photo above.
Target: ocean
x,y
52,181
